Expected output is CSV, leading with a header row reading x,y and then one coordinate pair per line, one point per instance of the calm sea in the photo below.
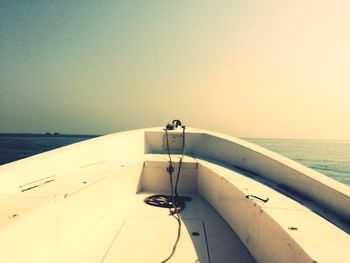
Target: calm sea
x,y
331,158
18,146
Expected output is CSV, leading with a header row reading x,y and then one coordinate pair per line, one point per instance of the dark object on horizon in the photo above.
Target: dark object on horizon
x,y
52,134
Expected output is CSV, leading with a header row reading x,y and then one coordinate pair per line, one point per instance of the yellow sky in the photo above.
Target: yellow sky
x,y
246,68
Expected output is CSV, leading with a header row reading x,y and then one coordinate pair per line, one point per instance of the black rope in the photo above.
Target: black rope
x,y
175,211
181,158
174,202
165,201
170,170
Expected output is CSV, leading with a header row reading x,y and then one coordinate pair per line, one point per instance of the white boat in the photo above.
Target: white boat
x,y
89,202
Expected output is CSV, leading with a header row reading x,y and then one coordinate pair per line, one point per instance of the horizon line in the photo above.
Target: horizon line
x,y
58,134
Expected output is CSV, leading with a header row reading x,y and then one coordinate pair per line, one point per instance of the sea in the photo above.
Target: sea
x,y
330,157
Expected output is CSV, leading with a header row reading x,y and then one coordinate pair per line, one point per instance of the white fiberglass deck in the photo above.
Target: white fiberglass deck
x,y
84,203
137,232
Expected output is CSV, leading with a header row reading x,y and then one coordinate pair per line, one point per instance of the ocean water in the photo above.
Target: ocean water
x,y
18,146
331,158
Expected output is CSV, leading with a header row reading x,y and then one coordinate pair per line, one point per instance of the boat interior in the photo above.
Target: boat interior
x,y
86,203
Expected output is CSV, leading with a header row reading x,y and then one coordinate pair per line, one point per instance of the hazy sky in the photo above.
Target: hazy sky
x,y
245,68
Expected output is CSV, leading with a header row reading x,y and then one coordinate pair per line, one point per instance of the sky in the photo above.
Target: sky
x,y
250,68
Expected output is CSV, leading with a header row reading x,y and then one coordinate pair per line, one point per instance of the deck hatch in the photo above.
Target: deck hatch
x,y
151,239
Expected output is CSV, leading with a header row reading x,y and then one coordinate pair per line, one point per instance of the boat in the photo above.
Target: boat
x,y
173,194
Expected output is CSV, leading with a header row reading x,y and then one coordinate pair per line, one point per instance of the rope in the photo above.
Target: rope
x,y
181,158
166,201
174,212
174,202
178,219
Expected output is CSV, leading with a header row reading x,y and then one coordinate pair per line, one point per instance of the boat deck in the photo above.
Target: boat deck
x,y
137,232
95,213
